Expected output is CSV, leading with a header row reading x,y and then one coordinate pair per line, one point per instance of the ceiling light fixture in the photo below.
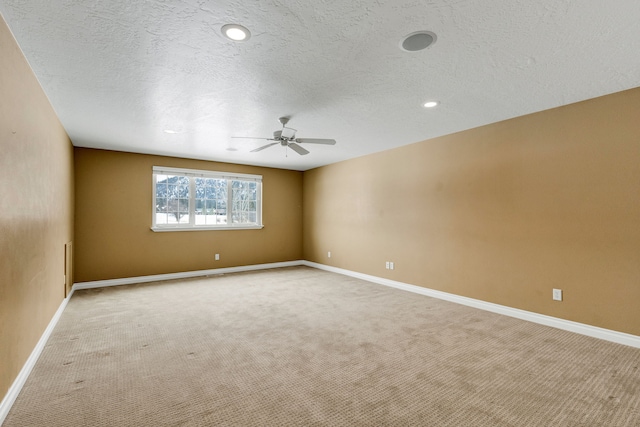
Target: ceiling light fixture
x,y
417,41
236,32
430,104
170,131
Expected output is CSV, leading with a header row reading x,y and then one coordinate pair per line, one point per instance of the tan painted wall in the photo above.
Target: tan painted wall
x,y
113,220
36,209
501,213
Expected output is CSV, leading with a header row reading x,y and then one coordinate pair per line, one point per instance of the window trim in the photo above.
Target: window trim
x,y
195,173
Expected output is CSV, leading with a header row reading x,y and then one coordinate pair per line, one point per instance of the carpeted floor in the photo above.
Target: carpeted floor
x,y
304,347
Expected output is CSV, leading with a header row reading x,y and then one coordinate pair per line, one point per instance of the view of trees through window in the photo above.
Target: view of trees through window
x,y
205,201
245,201
172,199
211,201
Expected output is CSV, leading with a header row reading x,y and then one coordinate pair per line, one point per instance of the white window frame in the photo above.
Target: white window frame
x,y
194,173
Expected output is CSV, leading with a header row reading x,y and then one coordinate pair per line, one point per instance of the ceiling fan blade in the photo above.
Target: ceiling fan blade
x,y
264,146
316,141
298,149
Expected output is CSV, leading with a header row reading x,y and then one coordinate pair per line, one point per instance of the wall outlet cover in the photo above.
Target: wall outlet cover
x,y
557,294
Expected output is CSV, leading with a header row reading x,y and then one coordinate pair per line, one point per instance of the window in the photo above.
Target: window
x,y
187,199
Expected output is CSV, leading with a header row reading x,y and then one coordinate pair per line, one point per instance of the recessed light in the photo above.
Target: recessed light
x,y
236,32
417,41
430,104
170,131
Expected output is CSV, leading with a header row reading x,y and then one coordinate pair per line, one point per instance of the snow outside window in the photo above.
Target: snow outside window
x,y
187,199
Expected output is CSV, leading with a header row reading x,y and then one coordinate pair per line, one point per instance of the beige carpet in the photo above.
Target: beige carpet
x,y
303,347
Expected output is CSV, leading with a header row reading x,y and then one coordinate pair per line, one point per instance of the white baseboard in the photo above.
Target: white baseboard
x,y
567,325
580,328
18,383
183,275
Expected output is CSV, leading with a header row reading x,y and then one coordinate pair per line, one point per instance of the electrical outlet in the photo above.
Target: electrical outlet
x,y
387,265
217,257
329,254
391,266
557,294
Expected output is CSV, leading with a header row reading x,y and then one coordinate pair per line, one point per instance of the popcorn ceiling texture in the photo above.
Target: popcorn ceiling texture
x,y
119,72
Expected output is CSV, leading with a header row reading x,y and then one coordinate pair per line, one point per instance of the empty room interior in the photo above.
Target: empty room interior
x,y
320,213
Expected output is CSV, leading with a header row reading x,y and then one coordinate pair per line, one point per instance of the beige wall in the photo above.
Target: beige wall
x,y
36,209
113,220
502,213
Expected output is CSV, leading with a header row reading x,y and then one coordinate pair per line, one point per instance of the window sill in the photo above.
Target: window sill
x,y
205,228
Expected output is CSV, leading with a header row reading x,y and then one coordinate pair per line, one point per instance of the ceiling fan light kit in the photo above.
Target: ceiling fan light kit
x,y
287,138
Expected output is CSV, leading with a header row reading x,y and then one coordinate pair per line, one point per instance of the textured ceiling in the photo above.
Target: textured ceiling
x,y
119,72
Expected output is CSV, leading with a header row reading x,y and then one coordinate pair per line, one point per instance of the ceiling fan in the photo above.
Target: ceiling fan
x,y
287,138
